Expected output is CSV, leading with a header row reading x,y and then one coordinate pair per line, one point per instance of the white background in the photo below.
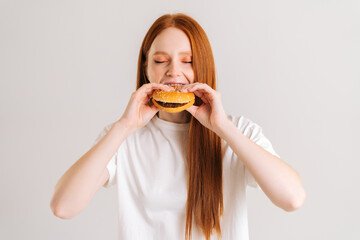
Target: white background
x,y
67,69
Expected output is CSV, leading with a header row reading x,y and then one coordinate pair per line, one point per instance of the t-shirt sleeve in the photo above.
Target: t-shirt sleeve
x,y
111,166
255,133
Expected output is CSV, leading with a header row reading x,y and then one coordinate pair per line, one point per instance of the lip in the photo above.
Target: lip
x,y
174,83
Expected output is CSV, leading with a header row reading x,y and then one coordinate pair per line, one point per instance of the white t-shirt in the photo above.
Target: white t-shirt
x,y
149,171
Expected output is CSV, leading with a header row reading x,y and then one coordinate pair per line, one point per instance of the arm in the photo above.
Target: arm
x,y
85,177
280,182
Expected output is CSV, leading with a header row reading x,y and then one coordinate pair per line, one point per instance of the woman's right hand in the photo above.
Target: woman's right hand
x,y
138,112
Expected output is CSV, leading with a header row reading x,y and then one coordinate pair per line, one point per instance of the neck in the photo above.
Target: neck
x,y
180,117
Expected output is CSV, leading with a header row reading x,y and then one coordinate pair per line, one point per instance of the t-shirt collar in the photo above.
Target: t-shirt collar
x,y
160,123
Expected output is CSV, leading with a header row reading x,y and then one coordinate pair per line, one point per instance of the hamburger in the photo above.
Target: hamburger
x,y
173,101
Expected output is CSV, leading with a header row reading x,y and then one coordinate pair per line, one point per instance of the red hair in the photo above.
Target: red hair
x,y
205,196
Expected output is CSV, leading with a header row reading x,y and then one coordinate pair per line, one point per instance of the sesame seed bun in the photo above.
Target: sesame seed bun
x,y
173,101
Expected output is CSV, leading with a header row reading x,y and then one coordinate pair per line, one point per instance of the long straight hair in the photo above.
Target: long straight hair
x,y
205,195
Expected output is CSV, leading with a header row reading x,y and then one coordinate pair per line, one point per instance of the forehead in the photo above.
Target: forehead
x,y
171,41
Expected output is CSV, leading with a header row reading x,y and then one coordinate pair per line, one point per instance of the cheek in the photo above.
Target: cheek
x,y
154,72
189,73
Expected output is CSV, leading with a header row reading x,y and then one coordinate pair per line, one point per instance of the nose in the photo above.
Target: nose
x,y
174,70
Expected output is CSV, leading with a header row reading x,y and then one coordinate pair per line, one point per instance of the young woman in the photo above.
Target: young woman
x,y
179,175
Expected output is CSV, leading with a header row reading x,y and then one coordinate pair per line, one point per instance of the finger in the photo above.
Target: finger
x,y
154,109
188,86
208,93
201,93
202,86
163,87
202,96
146,91
150,87
149,111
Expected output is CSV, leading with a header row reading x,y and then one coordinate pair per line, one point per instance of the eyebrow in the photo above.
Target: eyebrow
x,y
165,53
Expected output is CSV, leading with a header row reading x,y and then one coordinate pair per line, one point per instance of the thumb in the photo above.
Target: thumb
x,y
192,110
154,109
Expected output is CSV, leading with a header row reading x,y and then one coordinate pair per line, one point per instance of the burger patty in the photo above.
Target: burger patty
x,y
170,105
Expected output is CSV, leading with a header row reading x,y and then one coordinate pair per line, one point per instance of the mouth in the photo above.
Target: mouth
x,y
174,83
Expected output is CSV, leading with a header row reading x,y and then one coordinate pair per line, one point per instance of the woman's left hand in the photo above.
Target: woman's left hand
x,y
211,113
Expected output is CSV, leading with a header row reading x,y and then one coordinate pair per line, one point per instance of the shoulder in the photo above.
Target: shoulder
x,y
244,124
253,131
103,132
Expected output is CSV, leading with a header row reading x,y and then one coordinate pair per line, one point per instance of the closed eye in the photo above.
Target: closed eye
x,y
166,61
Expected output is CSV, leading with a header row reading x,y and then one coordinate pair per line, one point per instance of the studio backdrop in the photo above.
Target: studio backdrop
x,y
68,68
